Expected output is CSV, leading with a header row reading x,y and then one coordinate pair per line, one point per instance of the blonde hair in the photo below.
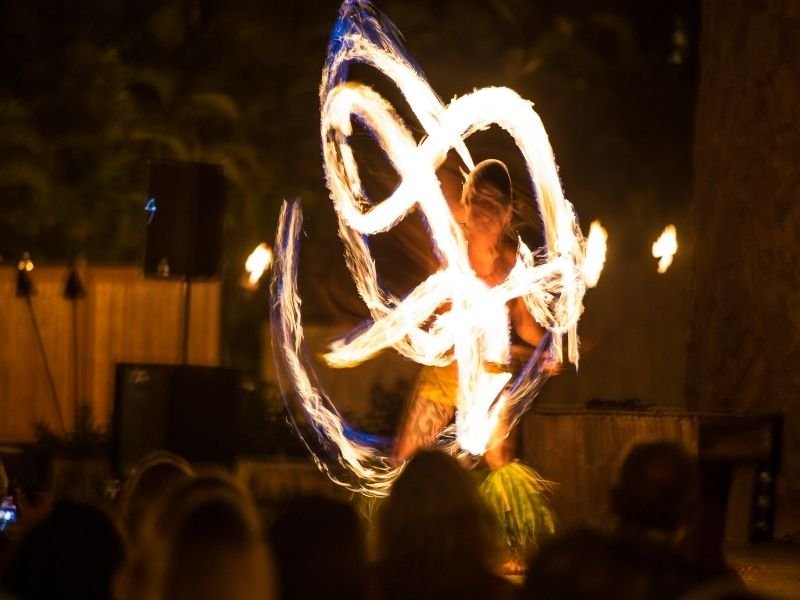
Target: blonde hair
x,y
490,174
151,480
488,193
205,540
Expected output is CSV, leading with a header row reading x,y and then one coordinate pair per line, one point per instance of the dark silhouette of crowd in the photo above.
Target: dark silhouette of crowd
x,y
179,532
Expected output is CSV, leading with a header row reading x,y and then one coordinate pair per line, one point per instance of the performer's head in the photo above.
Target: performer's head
x,y
488,202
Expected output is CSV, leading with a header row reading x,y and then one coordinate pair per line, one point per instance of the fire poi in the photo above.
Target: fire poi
x,y
453,316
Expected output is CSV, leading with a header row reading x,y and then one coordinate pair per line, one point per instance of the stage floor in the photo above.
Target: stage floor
x,y
769,568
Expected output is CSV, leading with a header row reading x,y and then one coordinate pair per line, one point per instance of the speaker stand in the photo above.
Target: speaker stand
x,y
187,317
74,291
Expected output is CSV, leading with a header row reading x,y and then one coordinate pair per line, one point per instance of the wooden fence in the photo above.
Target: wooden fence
x,y
122,318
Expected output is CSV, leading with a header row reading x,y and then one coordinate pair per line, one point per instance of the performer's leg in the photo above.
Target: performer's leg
x,y
424,420
515,494
502,445
501,450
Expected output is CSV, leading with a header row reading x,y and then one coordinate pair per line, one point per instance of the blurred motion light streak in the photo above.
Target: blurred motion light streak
x,y
475,329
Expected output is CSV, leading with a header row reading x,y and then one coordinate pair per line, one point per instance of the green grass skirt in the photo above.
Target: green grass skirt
x,y
515,494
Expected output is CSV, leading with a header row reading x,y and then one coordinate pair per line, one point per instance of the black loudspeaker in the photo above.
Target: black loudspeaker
x,y
204,414
191,411
184,220
141,404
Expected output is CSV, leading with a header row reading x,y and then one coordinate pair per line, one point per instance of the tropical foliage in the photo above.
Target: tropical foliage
x,y
92,90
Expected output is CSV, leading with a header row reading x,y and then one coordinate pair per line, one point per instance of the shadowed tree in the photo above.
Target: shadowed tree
x,y
110,85
744,349
104,86
92,99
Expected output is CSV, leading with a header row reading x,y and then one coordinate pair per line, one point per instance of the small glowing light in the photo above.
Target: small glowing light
x,y
26,264
150,208
595,253
259,261
664,248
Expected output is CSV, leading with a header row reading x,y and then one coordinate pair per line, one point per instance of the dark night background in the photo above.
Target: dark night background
x,y
92,90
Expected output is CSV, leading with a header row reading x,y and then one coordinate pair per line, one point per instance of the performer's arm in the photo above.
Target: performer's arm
x,y
524,324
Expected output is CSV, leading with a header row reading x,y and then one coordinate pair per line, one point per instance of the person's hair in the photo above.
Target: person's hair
x,y
75,552
4,487
584,564
488,192
657,487
489,180
204,542
434,532
323,536
149,483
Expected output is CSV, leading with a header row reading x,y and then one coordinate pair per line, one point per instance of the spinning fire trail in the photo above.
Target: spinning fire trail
x,y
474,331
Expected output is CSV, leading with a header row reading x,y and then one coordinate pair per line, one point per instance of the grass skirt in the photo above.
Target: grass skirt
x,y
515,494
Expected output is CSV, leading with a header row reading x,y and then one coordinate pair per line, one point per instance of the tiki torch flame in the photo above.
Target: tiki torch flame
x,y
664,248
259,261
595,253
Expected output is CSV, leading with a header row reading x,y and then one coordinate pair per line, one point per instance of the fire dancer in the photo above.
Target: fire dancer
x,y
487,209
524,514
463,313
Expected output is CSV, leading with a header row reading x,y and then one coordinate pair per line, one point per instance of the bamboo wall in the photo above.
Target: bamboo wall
x,y
123,318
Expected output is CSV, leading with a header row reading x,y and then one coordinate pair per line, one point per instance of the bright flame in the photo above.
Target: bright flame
x,y
595,253
259,261
475,330
664,248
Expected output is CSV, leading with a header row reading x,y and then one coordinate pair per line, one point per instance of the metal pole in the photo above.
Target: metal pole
x,y
75,369
187,308
48,372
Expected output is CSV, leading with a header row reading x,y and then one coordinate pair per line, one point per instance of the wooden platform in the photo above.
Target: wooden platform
x,y
772,569
580,451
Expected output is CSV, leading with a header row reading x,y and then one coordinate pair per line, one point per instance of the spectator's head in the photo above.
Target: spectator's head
x,y
321,536
3,479
657,488
78,480
434,527
150,482
205,543
584,565
74,552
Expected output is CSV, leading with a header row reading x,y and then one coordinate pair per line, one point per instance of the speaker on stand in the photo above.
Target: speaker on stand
x,y
184,226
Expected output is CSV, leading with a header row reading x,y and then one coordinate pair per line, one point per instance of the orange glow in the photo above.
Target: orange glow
x,y
664,248
259,261
26,264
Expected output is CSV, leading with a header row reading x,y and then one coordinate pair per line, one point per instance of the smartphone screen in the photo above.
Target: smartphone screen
x,y
8,512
